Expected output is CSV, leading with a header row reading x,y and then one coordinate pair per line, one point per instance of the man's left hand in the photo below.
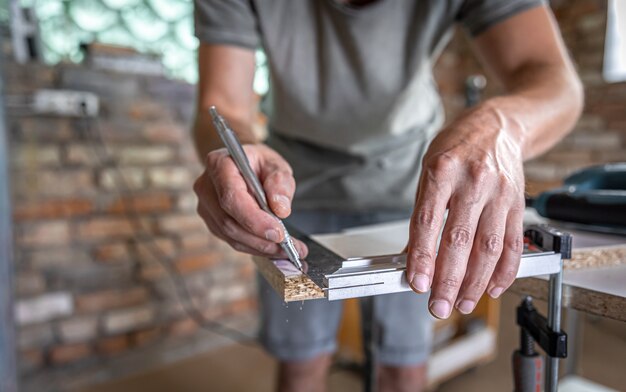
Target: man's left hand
x,y
474,169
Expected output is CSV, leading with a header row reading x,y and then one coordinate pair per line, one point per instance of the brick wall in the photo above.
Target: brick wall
x,y
89,290
600,135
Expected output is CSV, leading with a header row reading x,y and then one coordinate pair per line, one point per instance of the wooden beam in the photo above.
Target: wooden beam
x,y
291,284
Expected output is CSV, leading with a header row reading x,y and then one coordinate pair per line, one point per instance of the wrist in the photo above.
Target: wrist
x,y
500,114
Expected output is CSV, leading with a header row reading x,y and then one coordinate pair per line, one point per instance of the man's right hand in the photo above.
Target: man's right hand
x,y
233,214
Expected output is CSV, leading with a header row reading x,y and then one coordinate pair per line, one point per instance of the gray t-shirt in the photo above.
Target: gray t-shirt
x,y
352,104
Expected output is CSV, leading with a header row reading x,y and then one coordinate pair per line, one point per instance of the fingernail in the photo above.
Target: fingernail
x,y
440,309
495,292
272,235
466,306
283,201
420,283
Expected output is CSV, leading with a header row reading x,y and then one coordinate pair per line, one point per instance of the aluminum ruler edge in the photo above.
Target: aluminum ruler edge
x,y
342,278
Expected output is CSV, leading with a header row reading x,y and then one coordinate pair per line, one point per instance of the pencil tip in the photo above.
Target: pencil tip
x,y
213,112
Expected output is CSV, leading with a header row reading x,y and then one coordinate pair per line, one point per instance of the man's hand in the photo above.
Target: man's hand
x,y
473,168
233,214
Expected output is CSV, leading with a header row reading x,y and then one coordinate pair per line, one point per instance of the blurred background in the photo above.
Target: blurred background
x,y
111,267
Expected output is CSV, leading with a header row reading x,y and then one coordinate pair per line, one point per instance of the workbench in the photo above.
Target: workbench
x,y
594,282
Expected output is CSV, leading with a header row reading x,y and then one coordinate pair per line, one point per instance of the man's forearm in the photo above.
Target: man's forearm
x,y
225,80
542,106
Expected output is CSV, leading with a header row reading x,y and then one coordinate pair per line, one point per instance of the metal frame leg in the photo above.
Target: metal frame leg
x,y
8,356
554,323
574,328
370,344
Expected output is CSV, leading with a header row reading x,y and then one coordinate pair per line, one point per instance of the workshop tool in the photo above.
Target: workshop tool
x,y
527,367
474,87
594,197
339,278
232,144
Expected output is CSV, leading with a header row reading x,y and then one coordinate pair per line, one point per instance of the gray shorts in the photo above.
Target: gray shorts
x,y
299,331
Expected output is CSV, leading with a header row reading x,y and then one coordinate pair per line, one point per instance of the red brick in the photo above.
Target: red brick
x,y
177,224
197,262
164,132
33,156
156,247
116,251
241,306
124,177
617,124
568,156
183,327
144,154
152,270
147,110
52,129
50,258
35,336
113,345
140,338
69,353
44,234
29,283
170,178
31,359
187,201
65,182
79,154
78,329
51,209
104,228
151,202
128,319
110,299
246,271
195,241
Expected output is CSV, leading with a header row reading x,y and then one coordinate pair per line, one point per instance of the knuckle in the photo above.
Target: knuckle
x,y
281,177
420,258
458,237
212,159
506,277
504,181
228,198
248,224
479,171
449,283
492,245
519,205
239,247
475,287
424,219
515,244
440,165
229,227
268,249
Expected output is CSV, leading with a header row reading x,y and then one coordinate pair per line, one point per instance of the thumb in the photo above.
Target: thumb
x,y
279,185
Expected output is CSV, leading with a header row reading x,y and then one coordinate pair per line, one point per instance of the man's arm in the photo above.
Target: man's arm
x,y
225,80
224,203
474,167
527,55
